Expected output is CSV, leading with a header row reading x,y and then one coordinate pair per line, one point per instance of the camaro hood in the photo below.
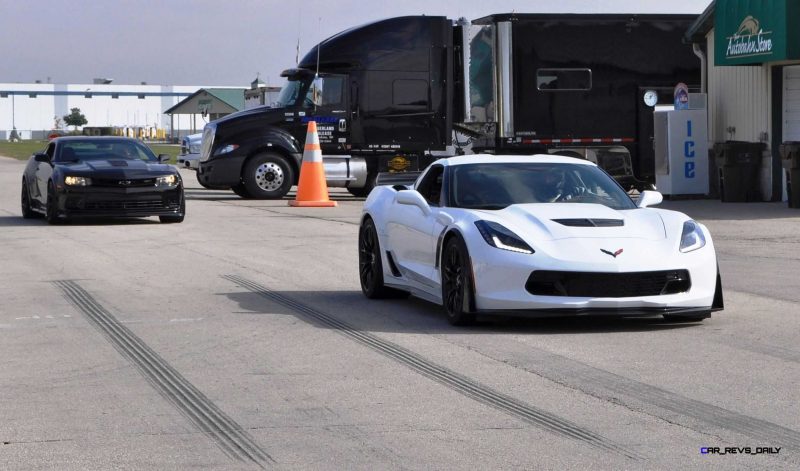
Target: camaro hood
x,y
554,221
118,168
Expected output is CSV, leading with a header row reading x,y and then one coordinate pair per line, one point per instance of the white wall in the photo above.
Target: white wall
x,y
738,96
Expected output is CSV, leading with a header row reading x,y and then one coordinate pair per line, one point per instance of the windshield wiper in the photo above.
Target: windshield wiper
x,y
491,207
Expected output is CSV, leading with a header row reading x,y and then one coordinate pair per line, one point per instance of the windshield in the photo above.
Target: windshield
x,y
291,91
78,150
495,186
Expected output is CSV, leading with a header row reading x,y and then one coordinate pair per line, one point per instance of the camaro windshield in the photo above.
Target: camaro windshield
x,y
495,186
79,150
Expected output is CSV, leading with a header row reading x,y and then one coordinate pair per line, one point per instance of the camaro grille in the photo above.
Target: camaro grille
x,y
123,183
608,285
130,205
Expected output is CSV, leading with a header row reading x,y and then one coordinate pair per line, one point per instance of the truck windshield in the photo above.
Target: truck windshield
x,y
293,89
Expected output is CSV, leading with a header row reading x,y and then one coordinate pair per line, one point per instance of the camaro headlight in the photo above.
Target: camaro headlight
x,y
77,181
167,180
227,149
692,237
498,236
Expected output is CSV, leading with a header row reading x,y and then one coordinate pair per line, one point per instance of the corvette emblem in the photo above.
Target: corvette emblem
x,y
613,254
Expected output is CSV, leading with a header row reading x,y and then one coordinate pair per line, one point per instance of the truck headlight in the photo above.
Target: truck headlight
x,y
692,237
226,150
167,180
77,181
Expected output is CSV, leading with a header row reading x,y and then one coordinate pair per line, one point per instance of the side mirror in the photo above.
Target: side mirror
x,y
649,198
40,157
413,198
163,157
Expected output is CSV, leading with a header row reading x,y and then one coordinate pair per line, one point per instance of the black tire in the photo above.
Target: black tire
x,y
175,219
51,212
364,191
370,266
25,202
268,176
241,191
457,295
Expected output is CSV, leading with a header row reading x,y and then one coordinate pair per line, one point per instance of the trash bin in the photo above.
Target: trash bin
x,y
739,168
790,155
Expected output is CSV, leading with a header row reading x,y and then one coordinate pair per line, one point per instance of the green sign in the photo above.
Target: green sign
x,y
756,31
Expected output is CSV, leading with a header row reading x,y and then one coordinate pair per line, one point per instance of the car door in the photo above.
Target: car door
x,y
44,170
413,235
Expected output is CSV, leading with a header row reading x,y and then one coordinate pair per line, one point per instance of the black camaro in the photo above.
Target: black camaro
x,y
101,177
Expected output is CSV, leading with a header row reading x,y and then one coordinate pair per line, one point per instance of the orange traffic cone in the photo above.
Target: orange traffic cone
x,y
311,188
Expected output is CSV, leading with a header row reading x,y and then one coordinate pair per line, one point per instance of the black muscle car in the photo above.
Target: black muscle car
x,y
101,177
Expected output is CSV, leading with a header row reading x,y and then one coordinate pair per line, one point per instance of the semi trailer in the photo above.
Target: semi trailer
x,y
396,94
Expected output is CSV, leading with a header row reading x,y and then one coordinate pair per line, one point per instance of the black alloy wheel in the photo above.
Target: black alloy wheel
x,y
457,296
51,210
370,266
25,200
177,218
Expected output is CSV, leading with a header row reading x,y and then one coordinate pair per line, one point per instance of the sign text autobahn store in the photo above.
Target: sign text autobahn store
x,y
751,50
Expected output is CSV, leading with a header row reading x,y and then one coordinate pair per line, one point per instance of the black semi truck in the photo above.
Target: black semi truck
x,y
394,95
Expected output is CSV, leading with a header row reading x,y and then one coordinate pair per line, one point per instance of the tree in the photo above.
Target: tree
x,y
75,118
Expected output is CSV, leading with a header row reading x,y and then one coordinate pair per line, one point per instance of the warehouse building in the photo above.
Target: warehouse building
x,y
35,109
752,76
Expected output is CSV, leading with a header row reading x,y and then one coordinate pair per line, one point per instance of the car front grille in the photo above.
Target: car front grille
x,y
122,205
608,285
123,183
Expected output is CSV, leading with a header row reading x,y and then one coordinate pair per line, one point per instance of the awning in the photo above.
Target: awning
x,y
756,31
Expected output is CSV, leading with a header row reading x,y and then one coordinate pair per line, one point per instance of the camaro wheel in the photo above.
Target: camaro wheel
x,y
457,283
51,211
27,212
175,219
370,266
268,176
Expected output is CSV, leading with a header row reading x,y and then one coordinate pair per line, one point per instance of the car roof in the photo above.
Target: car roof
x,y
507,159
94,138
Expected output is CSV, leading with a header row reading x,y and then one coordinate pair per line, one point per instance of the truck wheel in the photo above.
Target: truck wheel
x,y
268,176
372,178
241,191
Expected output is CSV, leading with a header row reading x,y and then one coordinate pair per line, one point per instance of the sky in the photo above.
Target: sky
x,y
219,42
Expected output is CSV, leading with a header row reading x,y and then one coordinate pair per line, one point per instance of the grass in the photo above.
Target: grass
x,y
23,149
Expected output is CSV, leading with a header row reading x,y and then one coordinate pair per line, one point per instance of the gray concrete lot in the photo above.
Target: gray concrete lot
x,y
240,339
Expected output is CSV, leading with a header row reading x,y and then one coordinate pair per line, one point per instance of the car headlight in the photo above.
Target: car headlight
x,y
77,181
692,237
227,149
498,236
167,180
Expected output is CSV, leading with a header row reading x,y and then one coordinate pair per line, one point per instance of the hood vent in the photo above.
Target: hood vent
x,y
118,163
585,222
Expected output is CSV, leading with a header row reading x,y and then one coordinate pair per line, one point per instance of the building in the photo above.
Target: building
x,y
209,104
34,108
752,77
260,94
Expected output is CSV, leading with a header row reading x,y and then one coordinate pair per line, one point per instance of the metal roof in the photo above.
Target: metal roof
x,y
701,26
231,99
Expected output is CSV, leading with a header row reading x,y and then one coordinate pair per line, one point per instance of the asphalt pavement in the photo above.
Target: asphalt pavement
x,y
240,339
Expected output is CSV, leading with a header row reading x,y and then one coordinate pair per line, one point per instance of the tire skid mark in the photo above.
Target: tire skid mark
x,y
463,385
603,384
190,402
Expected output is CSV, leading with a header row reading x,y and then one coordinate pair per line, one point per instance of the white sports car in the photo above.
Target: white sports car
x,y
534,236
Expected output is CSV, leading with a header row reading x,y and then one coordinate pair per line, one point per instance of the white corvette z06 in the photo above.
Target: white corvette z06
x,y
534,236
